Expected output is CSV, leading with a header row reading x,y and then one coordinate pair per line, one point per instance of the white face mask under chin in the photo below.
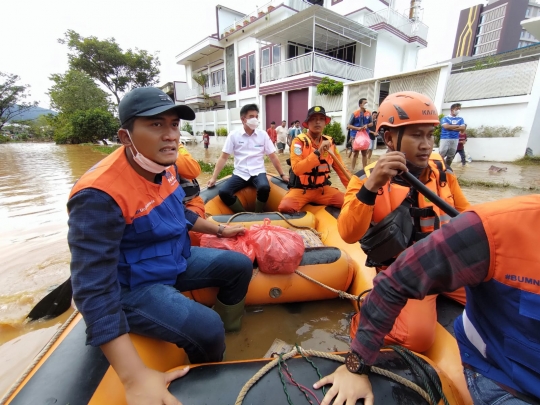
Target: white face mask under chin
x,y
144,162
253,123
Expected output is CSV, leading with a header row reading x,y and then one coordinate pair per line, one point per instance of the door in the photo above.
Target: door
x,y
273,109
298,105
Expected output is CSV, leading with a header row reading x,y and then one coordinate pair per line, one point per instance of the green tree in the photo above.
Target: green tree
x,y
106,62
187,127
75,91
12,98
91,125
334,130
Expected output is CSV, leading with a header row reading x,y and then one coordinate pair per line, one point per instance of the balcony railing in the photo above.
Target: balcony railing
x,y
185,92
317,62
398,21
261,11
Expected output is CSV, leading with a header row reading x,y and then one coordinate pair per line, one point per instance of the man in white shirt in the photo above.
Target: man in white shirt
x,y
281,136
248,145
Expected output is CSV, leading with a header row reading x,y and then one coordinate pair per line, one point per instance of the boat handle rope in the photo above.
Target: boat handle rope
x,y
15,386
278,214
385,373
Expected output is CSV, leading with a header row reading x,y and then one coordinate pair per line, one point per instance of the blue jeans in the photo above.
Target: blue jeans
x,y
162,312
236,183
485,391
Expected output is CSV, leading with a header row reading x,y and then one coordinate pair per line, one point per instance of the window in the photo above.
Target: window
x,y
276,53
251,67
243,73
247,71
293,51
218,77
270,55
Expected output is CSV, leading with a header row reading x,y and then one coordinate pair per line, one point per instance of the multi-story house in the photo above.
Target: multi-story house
x,y
276,55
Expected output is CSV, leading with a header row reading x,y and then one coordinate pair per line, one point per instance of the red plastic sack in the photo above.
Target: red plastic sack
x,y
361,140
278,250
240,243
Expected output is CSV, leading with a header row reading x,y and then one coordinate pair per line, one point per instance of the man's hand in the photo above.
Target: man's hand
x,y
347,386
325,146
232,231
388,166
149,387
285,178
211,183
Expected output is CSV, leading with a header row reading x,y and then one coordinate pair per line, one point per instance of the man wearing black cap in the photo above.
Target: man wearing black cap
x,y
310,166
131,254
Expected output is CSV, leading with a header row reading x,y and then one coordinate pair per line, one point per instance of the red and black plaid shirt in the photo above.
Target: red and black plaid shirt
x,y
454,256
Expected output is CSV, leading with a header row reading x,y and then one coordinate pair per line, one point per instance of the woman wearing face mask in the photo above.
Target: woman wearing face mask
x,y
452,125
408,120
249,145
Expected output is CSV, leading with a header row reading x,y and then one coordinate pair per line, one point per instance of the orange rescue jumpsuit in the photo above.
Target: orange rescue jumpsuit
x,y
415,326
312,172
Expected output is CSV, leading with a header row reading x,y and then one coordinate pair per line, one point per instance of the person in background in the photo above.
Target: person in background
x,y
461,147
249,145
310,167
272,132
131,256
281,136
372,136
360,120
452,125
498,334
409,120
294,131
206,139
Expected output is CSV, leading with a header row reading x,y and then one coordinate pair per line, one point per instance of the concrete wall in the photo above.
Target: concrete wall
x,y
390,53
507,112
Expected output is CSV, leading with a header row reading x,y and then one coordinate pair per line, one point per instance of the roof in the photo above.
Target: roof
x,y
330,28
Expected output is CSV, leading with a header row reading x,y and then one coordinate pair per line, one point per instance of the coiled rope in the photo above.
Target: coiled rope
x,y
38,358
298,350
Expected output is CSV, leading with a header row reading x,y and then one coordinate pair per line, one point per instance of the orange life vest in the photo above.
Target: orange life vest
x,y
427,215
318,176
499,331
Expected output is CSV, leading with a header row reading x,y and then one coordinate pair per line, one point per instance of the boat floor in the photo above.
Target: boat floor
x,y
221,383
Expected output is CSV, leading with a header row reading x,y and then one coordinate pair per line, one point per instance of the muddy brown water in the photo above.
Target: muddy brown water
x,y
35,180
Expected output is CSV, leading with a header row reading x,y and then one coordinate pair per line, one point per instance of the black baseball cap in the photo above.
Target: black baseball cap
x,y
150,101
316,110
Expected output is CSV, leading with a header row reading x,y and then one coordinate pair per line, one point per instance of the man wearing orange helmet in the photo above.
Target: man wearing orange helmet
x,y
378,195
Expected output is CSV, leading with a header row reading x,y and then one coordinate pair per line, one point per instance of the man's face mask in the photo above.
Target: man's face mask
x,y
253,123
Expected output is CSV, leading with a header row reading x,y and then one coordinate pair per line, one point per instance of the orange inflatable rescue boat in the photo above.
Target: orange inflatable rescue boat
x,y
69,372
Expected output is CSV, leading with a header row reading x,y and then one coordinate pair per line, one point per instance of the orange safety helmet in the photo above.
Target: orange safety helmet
x,y
406,108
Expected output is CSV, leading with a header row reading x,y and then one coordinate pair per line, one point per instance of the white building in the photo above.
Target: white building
x,y
276,55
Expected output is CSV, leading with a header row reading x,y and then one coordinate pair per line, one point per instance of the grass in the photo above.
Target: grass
x,y
107,150
488,184
528,161
209,168
482,183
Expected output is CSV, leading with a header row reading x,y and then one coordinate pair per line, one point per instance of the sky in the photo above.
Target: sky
x,y
30,30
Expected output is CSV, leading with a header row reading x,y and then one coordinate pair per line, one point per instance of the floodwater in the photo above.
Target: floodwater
x,y
35,180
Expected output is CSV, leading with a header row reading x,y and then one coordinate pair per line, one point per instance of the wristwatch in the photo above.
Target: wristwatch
x,y
355,364
220,230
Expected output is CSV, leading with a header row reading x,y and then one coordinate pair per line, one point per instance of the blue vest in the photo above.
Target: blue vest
x,y
359,120
499,331
155,243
